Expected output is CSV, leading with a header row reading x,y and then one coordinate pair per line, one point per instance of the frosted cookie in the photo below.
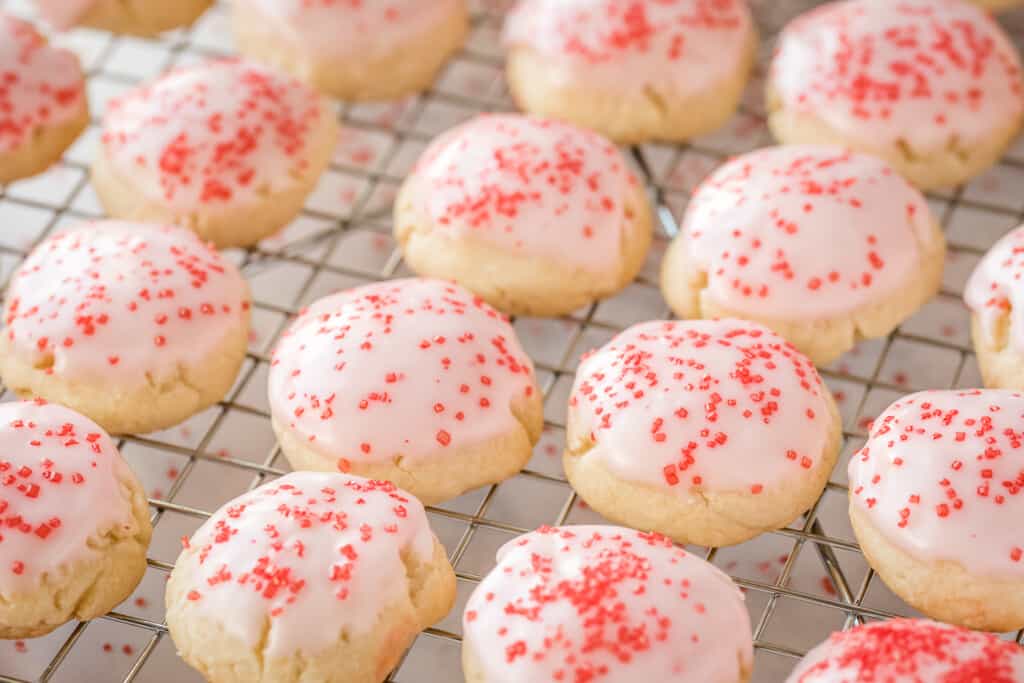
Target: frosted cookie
x,y
368,50
822,245
228,149
936,498
603,603
312,577
931,86
535,216
137,326
633,71
414,381
135,17
43,107
710,432
997,5
74,523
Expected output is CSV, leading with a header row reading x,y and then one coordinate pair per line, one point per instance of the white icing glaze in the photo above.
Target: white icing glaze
x,y
994,290
911,651
314,553
415,367
805,232
60,487
924,72
684,47
606,604
40,85
214,134
532,186
114,302
63,14
942,477
721,405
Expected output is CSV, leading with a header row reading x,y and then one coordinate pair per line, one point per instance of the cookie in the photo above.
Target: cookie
x,y
137,326
708,431
228,149
145,18
43,107
997,5
911,651
313,577
822,245
633,71
370,50
535,216
590,603
936,497
75,523
931,86
414,381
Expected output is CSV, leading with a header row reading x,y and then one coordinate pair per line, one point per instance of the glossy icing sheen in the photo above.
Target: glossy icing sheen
x,y
680,46
925,72
805,232
315,554
114,302
609,605
532,186
911,651
215,134
703,404
942,476
994,291
416,368
63,14
40,85
60,489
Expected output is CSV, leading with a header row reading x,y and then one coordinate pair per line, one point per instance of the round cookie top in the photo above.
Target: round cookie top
x,y
911,651
919,73
942,476
406,368
63,14
535,187
119,302
685,46
314,554
805,232
608,604
40,85
705,405
213,135
995,291
63,486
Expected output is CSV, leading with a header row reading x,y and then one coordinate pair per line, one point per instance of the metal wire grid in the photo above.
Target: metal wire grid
x,y
313,252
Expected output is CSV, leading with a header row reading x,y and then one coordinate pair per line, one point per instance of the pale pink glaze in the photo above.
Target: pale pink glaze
x,y
805,232
63,14
114,302
911,651
942,477
315,554
416,368
606,604
535,187
680,46
721,405
40,85
60,488
215,134
995,289
924,72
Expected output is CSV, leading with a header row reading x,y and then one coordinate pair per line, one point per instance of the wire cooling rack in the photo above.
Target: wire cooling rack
x,y
801,582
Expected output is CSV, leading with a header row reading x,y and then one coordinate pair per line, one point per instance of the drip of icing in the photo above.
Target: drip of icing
x,y
63,14
114,302
942,477
805,232
316,554
609,605
923,73
994,289
409,368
